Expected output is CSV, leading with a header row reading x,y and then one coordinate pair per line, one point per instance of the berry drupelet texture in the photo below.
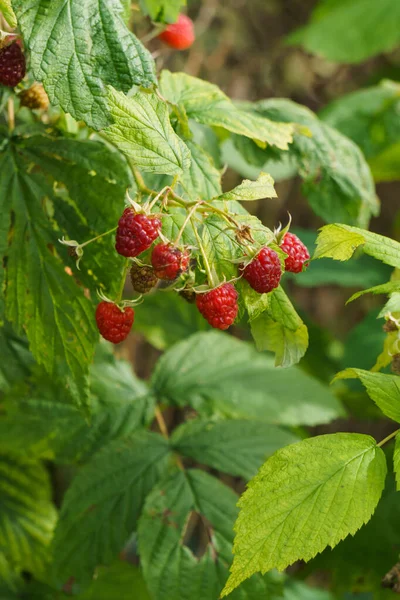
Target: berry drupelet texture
x,y
298,255
219,306
136,232
143,278
12,65
264,272
113,323
168,261
179,35
35,97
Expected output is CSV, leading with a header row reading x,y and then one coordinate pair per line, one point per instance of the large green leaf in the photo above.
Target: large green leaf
x,y
370,118
16,362
306,497
78,48
350,32
216,373
396,460
102,505
27,516
207,104
336,178
202,180
40,297
142,130
165,11
176,562
236,447
117,581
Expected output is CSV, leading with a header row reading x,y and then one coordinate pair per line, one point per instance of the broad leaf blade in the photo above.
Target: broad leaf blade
x,y
202,180
89,43
306,497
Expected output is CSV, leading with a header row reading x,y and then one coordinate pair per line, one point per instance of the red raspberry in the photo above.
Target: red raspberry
x,y
168,261
12,65
143,278
219,306
136,232
264,272
179,35
114,324
297,252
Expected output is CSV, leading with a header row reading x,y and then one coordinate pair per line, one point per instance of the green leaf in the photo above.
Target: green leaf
x,y
341,241
370,118
10,579
117,581
336,178
383,389
252,190
306,497
8,13
142,130
163,11
27,517
236,447
175,562
100,51
396,460
61,333
17,361
385,288
364,28
220,247
202,180
214,373
101,507
207,104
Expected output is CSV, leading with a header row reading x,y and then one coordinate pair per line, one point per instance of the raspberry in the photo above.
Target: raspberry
x,y
114,324
264,272
35,97
179,35
219,306
12,65
136,232
168,261
143,278
298,254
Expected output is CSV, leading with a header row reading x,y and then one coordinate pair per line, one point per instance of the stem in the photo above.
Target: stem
x,y
164,432
122,286
204,255
11,114
388,438
98,237
186,221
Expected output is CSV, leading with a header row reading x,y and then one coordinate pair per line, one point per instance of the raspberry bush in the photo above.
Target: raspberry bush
x,y
121,223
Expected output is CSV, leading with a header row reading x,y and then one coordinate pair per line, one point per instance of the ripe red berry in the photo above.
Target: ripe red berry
x,y
143,278
179,35
264,272
168,261
12,65
219,306
136,232
113,323
297,252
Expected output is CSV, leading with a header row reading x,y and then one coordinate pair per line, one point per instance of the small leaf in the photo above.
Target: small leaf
x,y
383,389
163,11
8,13
252,190
236,447
142,130
306,497
385,288
100,51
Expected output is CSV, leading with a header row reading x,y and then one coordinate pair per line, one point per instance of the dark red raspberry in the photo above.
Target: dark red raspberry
x,y
114,324
168,261
136,232
219,306
298,255
143,278
12,65
179,35
264,272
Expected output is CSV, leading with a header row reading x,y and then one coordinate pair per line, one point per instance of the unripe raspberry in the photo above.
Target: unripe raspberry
x,y
168,261
298,255
189,295
143,278
12,65
35,97
219,306
113,323
179,35
136,232
264,272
